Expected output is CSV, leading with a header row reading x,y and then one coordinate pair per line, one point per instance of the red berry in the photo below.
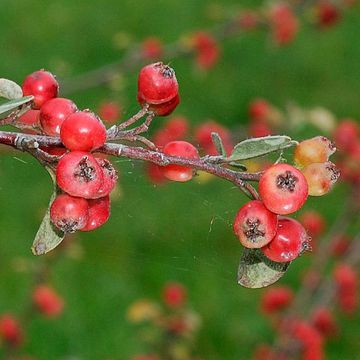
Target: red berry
x,y
109,177
162,109
152,48
174,295
157,84
31,117
178,172
10,330
42,85
48,301
79,174
53,113
259,128
203,137
83,131
283,189
56,151
276,298
99,213
340,245
345,277
259,109
175,128
109,111
155,174
315,150
69,213
255,225
327,14
347,134
248,20
323,320
285,25
290,241
207,50
313,222
321,177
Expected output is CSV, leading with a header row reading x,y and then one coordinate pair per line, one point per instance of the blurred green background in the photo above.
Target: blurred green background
x,y
179,232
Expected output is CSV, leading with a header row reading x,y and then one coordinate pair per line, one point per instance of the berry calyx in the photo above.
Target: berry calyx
x,y
53,113
321,177
157,84
69,213
283,189
178,172
79,174
290,241
83,131
42,85
255,225
99,213
315,150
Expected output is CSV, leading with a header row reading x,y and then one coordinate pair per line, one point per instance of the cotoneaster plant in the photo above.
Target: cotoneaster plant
x,y
67,142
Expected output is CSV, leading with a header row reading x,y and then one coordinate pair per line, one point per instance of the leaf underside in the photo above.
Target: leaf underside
x,y
256,271
10,106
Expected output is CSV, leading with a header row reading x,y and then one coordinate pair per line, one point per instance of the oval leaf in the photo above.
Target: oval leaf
x,y
10,89
12,105
256,271
48,236
216,139
252,148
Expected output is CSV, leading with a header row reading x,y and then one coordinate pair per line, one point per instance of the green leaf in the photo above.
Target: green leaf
x,y
10,89
216,139
252,148
48,236
256,271
12,105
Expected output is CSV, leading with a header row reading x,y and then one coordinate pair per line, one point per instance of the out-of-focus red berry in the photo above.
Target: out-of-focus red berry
x,y
324,321
346,134
284,23
110,111
276,299
174,295
152,48
48,301
313,222
327,14
207,50
10,330
203,137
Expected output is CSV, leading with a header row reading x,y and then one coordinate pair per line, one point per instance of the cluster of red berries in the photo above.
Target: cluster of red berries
x,y
86,180
283,190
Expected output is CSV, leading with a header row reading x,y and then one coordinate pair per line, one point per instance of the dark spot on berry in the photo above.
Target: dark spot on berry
x,y
252,232
287,181
335,173
68,226
85,172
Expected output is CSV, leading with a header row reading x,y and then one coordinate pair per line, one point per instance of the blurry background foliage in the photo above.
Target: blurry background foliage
x,y
179,232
